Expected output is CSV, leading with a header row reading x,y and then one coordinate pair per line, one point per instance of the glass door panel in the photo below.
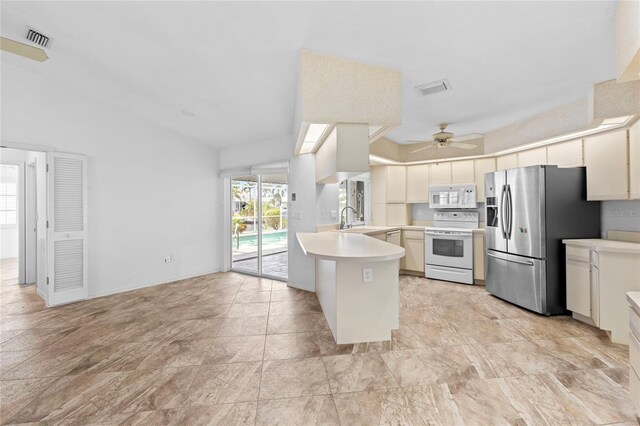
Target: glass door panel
x,y
245,224
274,247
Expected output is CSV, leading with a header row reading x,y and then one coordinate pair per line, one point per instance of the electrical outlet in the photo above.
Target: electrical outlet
x,y
367,275
168,259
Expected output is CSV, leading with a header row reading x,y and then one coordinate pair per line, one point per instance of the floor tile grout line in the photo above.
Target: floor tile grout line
x,y
264,349
335,406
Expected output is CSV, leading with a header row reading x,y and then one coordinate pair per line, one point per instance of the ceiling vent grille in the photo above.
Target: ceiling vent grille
x,y
435,87
38,38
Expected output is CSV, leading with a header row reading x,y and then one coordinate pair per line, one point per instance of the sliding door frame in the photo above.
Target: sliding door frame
x,y
259,220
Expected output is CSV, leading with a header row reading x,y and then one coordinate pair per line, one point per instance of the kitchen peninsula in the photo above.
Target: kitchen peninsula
x,y
356,284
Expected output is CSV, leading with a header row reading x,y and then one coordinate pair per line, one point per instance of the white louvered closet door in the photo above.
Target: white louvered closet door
x,y
67,228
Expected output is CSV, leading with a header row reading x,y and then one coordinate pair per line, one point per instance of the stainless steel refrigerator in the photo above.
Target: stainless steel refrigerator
x,y
529,210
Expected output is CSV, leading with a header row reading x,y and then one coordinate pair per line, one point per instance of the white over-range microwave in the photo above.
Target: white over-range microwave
x,y
453,196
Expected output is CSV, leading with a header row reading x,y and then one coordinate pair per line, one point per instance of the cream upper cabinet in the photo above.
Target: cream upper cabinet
x,y
481,167
378,176
532,157
440,173
634,160
605,156
509,161
388,184
462,172
418,183
396,184
565,154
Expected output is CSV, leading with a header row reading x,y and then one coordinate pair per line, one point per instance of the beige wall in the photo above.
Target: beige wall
x,y
568,118
628,40
337,90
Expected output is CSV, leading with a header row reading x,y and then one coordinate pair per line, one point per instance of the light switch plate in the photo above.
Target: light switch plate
x,y
296,214
367,275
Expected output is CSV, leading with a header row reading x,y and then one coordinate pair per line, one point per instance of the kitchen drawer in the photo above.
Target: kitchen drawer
x,y
634,322
595,258
634,352
414,235
634,390
581,254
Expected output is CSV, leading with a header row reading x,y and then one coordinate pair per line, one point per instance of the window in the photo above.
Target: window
x,y
8,194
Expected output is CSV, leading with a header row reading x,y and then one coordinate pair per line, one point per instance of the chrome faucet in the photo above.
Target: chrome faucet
x,y
343,224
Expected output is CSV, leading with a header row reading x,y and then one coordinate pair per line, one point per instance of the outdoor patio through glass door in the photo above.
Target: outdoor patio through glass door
x,y
259,225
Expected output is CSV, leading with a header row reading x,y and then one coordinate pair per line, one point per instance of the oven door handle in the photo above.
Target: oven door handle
x,y
447,234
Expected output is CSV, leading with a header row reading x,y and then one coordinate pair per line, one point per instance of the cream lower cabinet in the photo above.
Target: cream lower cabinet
x,y
478,256
634,356
596,283
413,243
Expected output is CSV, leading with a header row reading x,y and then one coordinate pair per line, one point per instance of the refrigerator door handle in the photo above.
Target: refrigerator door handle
x,y
521,262
510,207
502,212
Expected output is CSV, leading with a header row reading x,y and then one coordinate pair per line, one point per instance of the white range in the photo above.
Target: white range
x,y
448,246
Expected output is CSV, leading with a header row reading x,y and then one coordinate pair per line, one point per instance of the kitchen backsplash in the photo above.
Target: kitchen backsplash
x,y
620,216
423,212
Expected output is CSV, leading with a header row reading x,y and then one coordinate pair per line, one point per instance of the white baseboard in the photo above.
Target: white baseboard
x,y
140,286
41,294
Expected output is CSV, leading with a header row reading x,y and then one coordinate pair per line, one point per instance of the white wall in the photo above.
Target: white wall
x,y
10,234
152,192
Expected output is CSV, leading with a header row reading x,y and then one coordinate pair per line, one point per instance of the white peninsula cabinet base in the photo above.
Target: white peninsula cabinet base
x,y
599,275
356,284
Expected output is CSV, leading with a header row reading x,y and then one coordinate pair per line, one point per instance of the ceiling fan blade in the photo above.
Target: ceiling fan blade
x,y
423,148
462,145
22,49
467,137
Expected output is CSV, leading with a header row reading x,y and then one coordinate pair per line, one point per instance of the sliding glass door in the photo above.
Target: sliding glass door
x,y
259,225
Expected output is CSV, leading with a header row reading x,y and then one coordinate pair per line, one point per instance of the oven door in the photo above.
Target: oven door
x,y
449,248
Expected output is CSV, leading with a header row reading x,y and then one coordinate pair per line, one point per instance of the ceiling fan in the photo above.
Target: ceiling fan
x,y
444,139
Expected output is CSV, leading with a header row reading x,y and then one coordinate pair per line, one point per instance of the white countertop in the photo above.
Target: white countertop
x,y
346,246
373,230
601,245
633,297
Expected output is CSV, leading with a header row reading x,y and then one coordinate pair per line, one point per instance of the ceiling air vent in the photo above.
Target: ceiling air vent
x,y
38,38
435,87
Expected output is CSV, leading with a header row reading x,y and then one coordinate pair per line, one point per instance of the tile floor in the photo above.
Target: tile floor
x,y
228,349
